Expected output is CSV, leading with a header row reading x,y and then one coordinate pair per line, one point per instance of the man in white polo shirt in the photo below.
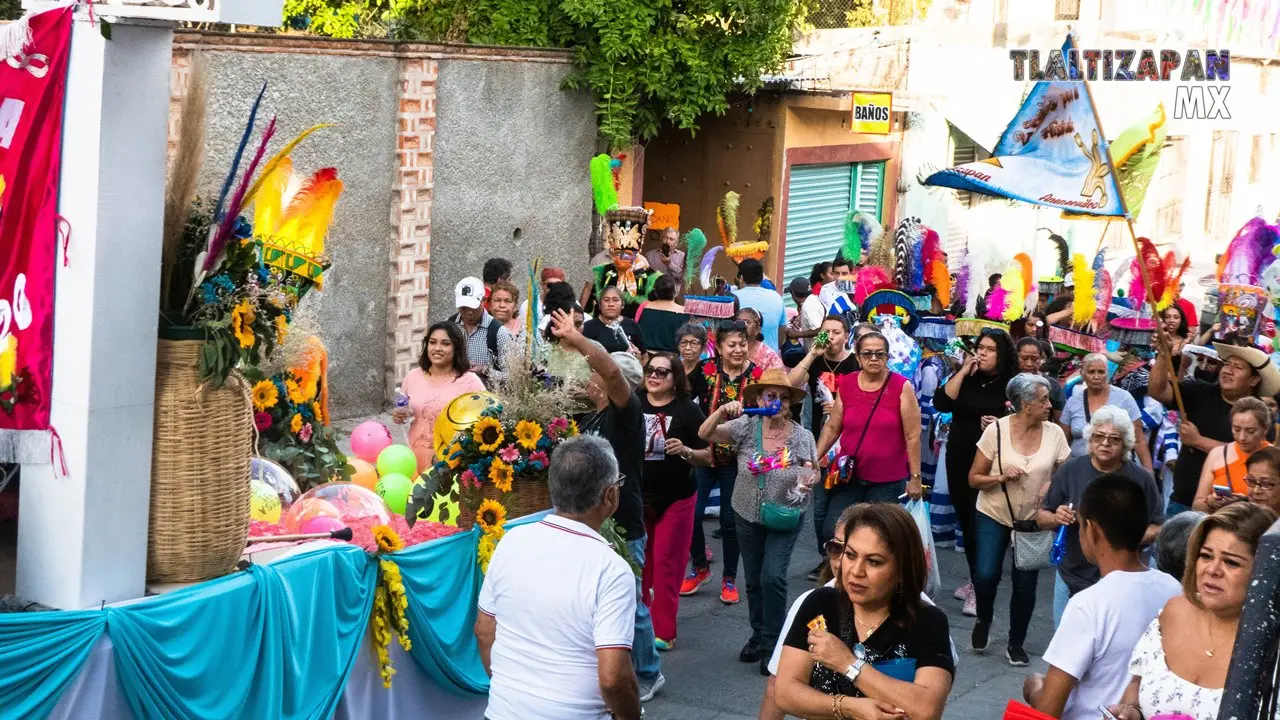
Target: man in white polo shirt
x,y
557,609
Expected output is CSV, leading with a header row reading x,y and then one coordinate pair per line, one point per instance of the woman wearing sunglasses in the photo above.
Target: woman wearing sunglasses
x,y
876,418
672,449
775,458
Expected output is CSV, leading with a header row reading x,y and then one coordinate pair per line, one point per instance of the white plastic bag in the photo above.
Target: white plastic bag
x,y
919,510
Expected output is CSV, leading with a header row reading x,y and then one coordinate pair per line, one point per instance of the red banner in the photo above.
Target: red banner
x,y
32,87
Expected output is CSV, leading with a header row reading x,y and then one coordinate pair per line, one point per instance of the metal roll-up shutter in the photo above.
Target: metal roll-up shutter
x,y
818,200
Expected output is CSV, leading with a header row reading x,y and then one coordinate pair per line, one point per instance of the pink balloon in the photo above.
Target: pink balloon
x,y
321,524
368,439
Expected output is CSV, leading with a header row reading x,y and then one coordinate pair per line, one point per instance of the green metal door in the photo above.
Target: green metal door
x,y
818,201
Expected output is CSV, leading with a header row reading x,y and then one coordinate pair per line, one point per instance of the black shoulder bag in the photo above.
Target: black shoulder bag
x,y
849,464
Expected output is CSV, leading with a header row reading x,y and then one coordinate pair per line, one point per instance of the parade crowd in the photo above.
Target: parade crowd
x,y
830,411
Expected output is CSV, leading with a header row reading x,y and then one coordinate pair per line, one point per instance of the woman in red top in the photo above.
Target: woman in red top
x,y
877,420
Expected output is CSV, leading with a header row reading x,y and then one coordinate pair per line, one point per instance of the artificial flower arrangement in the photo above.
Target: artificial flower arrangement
x,y
15,385
233,282
389,603
291,415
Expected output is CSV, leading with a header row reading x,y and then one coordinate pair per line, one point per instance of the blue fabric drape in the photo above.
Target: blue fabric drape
x,y
442,581
40,655
277,641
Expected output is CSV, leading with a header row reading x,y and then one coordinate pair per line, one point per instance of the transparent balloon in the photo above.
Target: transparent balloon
x,y
339,500
272,489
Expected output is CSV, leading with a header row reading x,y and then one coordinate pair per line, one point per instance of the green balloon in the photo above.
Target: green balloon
x,y
397,460
394,489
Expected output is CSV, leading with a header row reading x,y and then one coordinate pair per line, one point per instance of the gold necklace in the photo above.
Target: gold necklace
x,y
1208,631
868,632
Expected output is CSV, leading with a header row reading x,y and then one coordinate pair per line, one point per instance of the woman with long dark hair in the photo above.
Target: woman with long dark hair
x,y
974,395
869,647
672,449
443,373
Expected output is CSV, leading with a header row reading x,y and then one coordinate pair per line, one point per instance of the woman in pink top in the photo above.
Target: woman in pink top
x,y
443,374
876,418
763,356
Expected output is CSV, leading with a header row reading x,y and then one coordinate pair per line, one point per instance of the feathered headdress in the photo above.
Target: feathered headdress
x,y
1249,253
1023,261
602,187
936,272
1084,304
1173,273
1013,282
881,253
997,303
861,230
292,217
727,219
870,279
708,263
764,220
694,243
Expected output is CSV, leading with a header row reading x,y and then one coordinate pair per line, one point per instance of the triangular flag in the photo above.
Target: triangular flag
x,y
1136,152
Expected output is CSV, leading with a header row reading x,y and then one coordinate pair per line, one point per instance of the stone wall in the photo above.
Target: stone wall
x,y
488,130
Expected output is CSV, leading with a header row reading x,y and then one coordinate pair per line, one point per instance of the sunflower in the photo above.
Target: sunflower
x,y
528,434
294,390
488,434
296,423
572,430
491,514
500,475
242,324
265,395
387,539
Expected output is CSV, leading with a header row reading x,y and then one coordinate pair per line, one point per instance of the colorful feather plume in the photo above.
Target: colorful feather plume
x,y
708,263
279,157
881,253
1014,284
939,276
1029,297
1084,304
764,220
1249,253
930,252
870,279
1099,260
1173,283
695,244
906,240
997,303
218,241
1065,262
1103,287
727,218
1153,265
602,188
219,207
969,283
868,232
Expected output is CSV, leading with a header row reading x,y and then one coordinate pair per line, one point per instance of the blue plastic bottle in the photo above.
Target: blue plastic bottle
x,y
1059,549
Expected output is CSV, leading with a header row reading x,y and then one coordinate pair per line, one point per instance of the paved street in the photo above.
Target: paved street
x,y
705,681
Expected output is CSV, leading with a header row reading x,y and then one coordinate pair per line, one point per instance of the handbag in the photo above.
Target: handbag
x,y
1031,546
774,516
848,464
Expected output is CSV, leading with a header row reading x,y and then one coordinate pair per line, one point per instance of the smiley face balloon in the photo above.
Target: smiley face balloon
x,y
459,415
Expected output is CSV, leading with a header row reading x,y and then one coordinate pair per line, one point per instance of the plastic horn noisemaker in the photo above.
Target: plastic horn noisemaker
x,y
769,410
344,534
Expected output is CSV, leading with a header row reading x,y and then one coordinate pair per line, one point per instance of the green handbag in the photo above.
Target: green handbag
x,y
774,516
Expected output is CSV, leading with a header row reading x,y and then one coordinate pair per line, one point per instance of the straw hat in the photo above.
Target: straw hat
x,y
1257,360
771,379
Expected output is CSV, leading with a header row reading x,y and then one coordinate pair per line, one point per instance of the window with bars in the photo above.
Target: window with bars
x,y
1066,10
1222,169
1170,183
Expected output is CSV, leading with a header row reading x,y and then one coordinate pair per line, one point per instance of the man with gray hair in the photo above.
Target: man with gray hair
x,y
558,602
1110,439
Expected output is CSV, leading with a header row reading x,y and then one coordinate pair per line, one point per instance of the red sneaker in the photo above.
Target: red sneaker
x,y
728,592
694,580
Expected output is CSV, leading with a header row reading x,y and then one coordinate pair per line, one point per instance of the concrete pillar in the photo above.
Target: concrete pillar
x,y
82,539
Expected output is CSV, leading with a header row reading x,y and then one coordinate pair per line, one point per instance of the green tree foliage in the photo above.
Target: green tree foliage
x,y
644,61
869,13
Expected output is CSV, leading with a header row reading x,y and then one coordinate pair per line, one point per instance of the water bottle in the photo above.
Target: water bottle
x,y
1059,549
402,400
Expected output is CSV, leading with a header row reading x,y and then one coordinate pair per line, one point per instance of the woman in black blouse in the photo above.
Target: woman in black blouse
x,y
610,328
974,395
869,647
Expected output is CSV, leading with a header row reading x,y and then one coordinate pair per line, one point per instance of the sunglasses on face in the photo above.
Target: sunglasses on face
x,y
834,548
873,354
1108,439
660,373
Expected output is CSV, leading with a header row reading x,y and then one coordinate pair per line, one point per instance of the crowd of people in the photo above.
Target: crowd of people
x,y
805,414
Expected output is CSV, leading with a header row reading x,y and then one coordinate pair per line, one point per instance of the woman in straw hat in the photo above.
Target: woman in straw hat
x,y
775,472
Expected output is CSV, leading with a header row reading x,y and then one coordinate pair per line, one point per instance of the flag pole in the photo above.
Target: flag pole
x,y
1163,349
1106,227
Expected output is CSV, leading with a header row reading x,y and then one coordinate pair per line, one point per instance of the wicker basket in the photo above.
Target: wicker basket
x,y
203,439
526,497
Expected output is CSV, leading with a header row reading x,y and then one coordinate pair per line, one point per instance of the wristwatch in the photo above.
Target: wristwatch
x,y
859,660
